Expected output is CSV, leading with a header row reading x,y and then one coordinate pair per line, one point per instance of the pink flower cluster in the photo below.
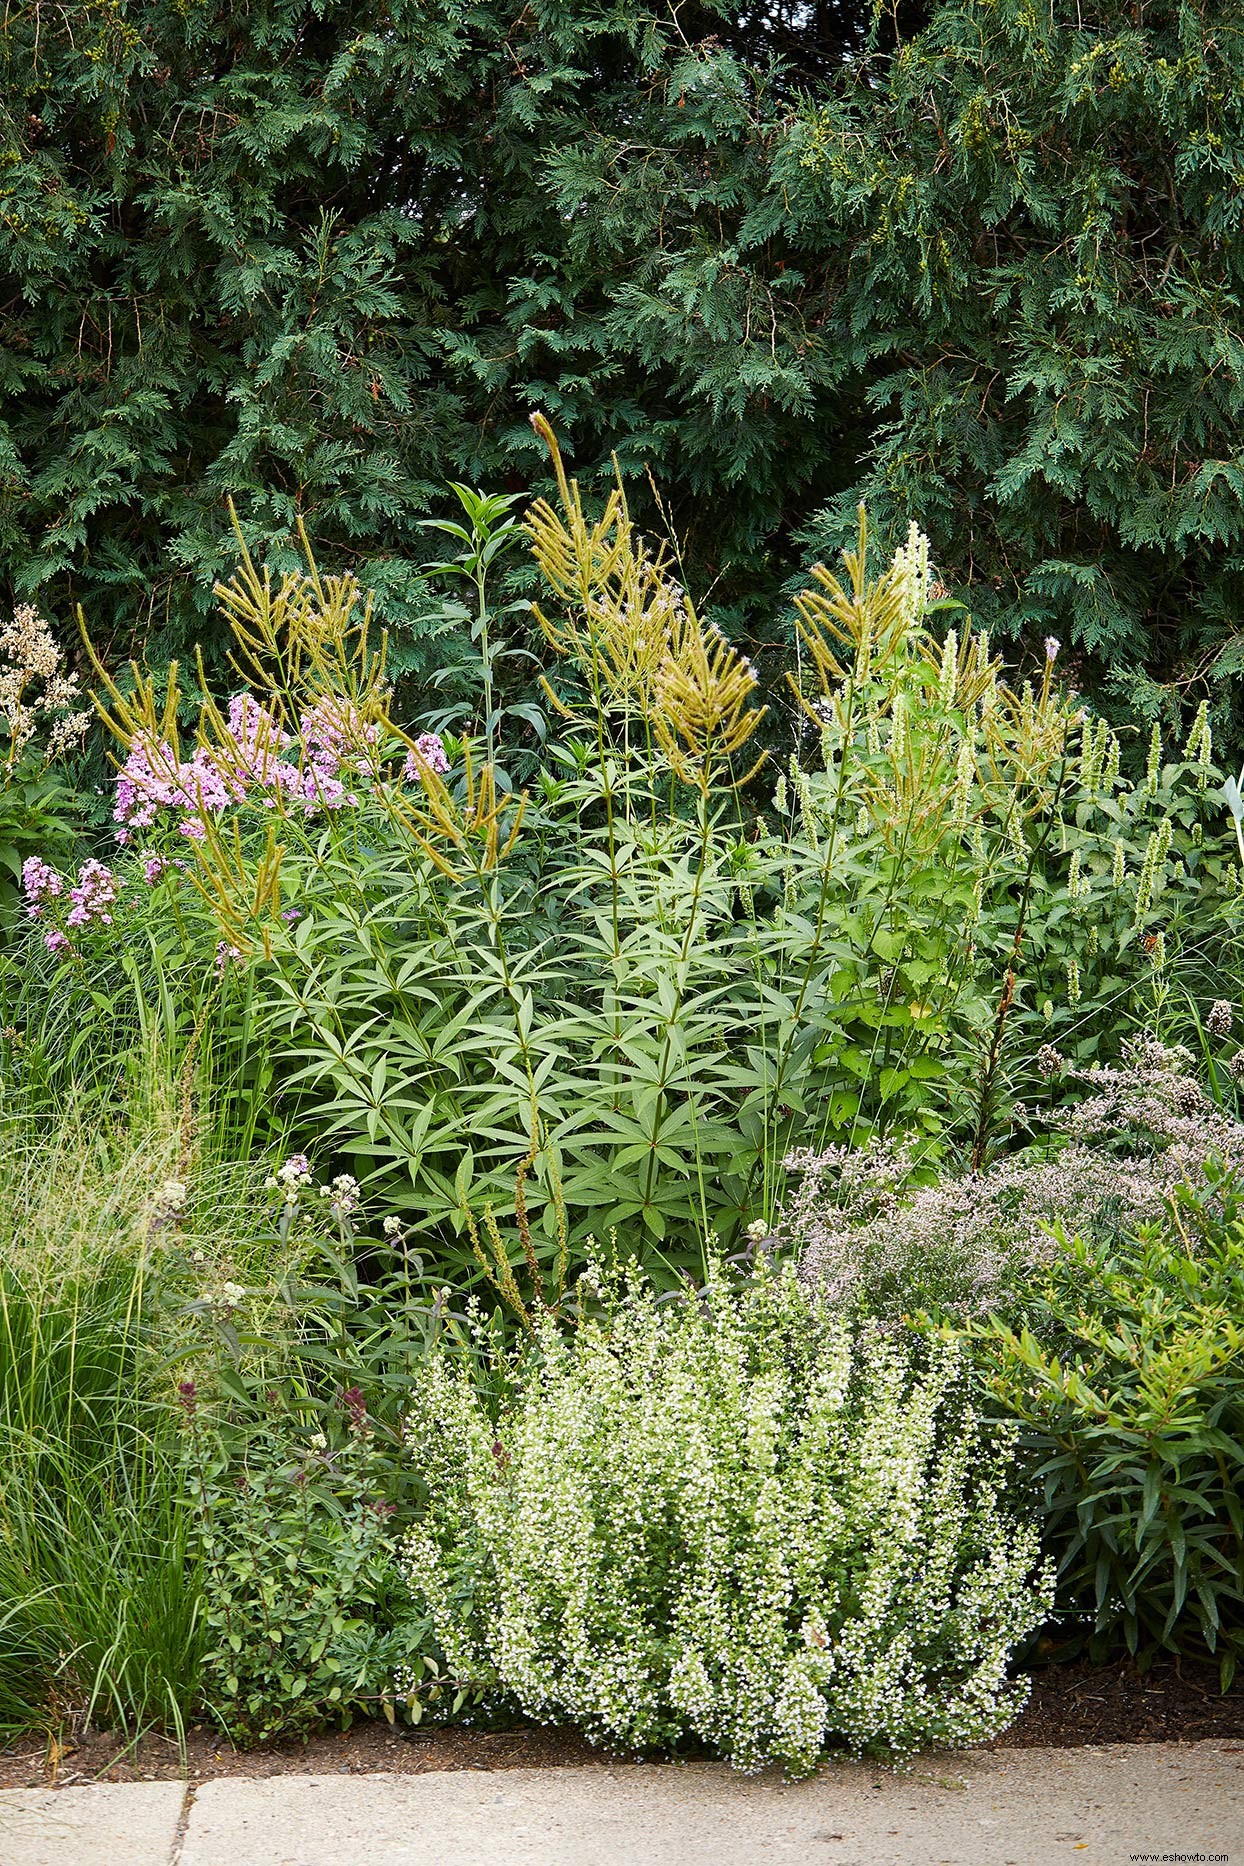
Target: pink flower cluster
x,y
93,899
39,882
153,778
431,749
95,895
333,732
258,736
332,737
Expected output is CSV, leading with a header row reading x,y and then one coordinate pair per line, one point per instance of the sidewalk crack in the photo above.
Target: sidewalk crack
x,y
183,1822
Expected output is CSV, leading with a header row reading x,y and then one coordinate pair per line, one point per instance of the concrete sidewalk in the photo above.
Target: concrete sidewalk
x,y
1103,1807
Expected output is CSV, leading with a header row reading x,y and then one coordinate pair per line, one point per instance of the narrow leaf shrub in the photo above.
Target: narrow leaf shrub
x,y
1127,1376
98,1576
736,1520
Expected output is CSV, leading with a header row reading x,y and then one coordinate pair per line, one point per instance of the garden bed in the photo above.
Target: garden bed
x,y
719,1271
1072,1705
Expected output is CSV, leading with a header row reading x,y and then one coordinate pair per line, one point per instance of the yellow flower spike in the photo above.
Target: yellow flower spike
x,y
623,606
268,628
867,621
703,688
306,642
223,878
439,825
559,706
137,716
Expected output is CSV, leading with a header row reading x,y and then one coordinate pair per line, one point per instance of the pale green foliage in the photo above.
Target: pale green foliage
x,y
735,1520
98,1587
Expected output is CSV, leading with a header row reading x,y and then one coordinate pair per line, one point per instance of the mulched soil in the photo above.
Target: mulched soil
x,y
366,1749
1071,1705
1077,1703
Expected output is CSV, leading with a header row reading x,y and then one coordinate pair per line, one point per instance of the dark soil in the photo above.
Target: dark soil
x,y
1077,1703
1071,1705
365,1749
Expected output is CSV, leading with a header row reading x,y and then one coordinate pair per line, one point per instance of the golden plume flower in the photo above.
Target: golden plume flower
x,y
635,634
702,691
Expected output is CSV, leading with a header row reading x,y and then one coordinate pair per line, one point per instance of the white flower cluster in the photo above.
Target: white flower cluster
x,y
912,564
227,1298
343,1195
35,688
742,1521
169,1201
290,1179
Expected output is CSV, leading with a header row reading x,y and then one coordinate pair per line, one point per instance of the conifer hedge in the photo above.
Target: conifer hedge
x,y
980,260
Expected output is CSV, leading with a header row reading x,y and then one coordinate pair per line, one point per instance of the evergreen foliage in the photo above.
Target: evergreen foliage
x,y
320,256
1044,208
325,257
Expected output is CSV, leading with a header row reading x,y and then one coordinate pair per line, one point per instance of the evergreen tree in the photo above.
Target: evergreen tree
x,y
324,256
1043,288
979,261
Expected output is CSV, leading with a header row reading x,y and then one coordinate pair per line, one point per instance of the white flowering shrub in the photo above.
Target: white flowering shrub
x,y
739,1520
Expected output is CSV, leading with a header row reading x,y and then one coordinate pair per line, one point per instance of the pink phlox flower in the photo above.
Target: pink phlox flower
x,y
260,739
153,868
153,778
56,941
333,730
149,780
321,790
207,786
95,895
429,754
39,881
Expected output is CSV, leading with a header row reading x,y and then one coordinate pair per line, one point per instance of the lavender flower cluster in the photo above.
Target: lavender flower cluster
x,y
334,746
93,899
866,1234
260,762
